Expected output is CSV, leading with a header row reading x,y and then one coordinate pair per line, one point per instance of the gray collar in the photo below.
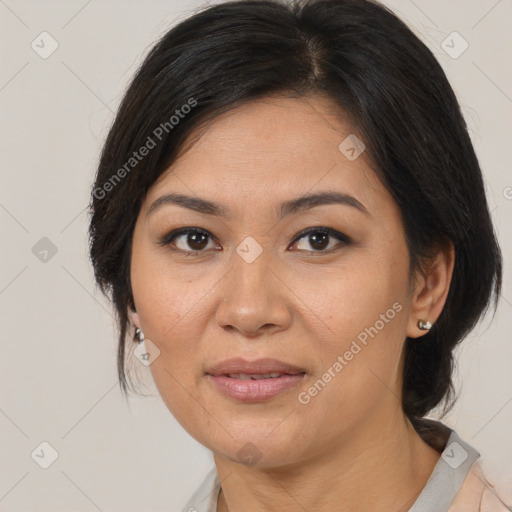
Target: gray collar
x,y
446,479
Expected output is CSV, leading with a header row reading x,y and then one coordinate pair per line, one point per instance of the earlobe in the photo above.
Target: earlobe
x,y
431,292
134,317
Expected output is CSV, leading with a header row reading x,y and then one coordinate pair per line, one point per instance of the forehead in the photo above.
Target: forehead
x,y
272,149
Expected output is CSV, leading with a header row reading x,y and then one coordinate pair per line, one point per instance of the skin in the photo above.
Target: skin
x,y
350,447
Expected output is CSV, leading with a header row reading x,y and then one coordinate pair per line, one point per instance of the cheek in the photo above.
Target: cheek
x,y
167,301
165,305
362,294
365,308
360,376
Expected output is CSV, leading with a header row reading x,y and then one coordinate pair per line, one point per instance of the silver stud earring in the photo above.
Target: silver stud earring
x,y
424,325
138,337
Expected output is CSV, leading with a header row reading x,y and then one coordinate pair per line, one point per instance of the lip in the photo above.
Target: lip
x,y
252,391
259,366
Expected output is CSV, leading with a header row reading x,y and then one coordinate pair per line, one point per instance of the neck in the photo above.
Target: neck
x,y
375,470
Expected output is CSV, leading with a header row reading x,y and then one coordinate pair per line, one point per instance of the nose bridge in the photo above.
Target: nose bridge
x,y
252,295
250,268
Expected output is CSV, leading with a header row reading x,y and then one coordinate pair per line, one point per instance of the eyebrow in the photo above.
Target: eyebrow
x,y
286,208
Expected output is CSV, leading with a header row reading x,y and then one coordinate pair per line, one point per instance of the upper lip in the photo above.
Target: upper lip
x,y
258,366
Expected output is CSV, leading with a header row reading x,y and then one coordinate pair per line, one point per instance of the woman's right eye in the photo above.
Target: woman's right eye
x,y
190,241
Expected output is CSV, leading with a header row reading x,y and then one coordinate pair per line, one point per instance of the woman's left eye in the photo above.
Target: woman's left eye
x,y
319,239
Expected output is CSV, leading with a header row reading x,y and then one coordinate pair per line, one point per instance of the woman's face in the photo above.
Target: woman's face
x,y
331,307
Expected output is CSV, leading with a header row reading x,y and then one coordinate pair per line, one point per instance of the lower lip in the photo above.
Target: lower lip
x,y
255,390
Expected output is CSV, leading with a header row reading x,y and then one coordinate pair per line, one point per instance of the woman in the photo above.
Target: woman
x,y
291,221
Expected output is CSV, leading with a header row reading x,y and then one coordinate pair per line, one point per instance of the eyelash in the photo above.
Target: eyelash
x,y
169,238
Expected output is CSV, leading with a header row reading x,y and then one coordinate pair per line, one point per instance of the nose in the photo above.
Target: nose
x,y
256,299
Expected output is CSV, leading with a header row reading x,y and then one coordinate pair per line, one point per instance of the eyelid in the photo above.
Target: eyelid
x,y
320,229
166,239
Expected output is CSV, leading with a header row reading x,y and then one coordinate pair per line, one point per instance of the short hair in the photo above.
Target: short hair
x,y
394,92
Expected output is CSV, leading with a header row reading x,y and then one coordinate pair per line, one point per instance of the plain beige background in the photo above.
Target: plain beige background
x,y
58,381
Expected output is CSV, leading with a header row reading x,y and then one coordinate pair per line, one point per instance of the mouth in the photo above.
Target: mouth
x,y
256,376
267,368
255,381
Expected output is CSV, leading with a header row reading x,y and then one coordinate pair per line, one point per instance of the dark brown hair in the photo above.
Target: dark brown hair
x,y
360,55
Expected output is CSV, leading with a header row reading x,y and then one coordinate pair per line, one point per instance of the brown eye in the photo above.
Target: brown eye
x,y
188,240
320,239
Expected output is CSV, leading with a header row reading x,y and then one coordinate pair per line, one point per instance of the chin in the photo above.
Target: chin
x,y
258,449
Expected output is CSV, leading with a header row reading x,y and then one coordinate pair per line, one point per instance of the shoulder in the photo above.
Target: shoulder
x,y
477,494
458,482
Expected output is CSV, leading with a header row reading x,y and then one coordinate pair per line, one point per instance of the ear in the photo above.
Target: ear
x,y
133,317
431,289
